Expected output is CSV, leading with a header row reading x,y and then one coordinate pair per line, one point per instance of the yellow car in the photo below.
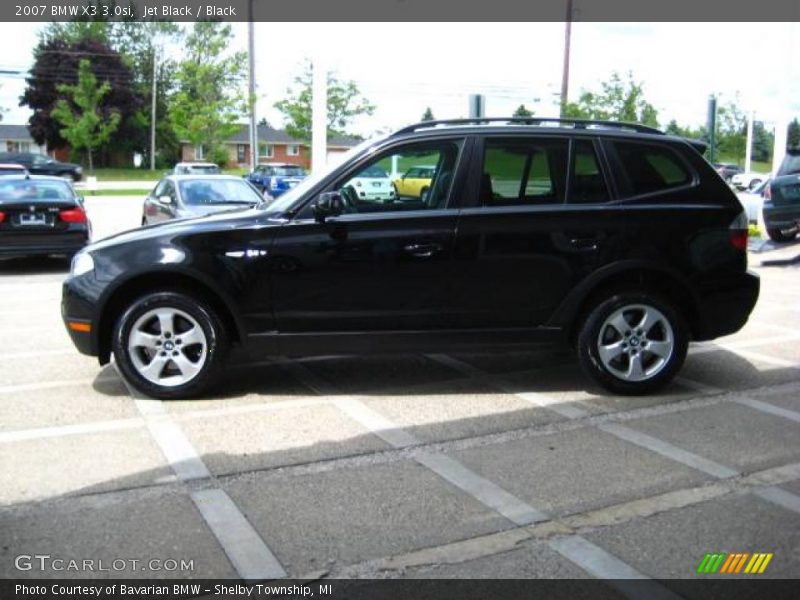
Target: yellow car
x,y
415,183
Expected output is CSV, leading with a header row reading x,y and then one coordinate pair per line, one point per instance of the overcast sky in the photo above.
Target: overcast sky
x,y
405,67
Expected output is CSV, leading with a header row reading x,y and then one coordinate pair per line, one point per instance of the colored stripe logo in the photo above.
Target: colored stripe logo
x,y
734,563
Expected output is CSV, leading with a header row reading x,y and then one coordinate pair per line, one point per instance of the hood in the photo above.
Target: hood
x,y
221,221
190,211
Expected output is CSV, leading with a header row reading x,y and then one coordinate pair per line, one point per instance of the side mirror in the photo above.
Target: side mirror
x,y
329,204
165,199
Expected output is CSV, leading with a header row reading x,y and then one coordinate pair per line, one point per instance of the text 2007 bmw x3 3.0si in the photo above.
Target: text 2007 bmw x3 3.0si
x,y
616,238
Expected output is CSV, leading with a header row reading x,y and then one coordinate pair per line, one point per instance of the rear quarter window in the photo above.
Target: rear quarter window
x,y
648,168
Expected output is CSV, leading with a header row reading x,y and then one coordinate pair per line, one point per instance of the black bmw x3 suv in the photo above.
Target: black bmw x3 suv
x,y
616,238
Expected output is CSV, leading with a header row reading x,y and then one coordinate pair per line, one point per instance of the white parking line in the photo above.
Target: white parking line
x,y
780,497
599,563
248,554
743,344
49,385
64,430
771,409
376,423
668,450
569,411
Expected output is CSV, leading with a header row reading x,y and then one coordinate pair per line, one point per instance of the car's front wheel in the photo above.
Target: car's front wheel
x,y
170,345
632,343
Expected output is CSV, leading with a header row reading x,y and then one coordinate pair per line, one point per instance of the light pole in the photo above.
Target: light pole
x,y
153,109
565,72
251,64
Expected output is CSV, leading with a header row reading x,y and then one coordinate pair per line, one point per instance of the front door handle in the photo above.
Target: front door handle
x,y
423,250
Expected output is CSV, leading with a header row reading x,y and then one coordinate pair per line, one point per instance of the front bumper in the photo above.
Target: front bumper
x,y
79,318
724,308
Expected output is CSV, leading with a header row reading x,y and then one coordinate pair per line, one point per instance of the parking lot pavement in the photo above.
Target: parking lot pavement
x,y
469,465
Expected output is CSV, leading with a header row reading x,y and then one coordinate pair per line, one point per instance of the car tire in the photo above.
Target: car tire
x,y
170,345
625,362
781,235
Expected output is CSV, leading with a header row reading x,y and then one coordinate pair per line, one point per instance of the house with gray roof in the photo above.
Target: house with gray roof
x,y
17,138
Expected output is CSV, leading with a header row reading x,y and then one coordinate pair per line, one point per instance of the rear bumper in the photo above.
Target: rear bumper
x,y
781,216
39,244
725,308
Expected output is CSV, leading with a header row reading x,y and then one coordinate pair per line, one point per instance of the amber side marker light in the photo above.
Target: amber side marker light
x,y
78,326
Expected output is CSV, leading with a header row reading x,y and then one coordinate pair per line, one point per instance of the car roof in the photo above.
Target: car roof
x,y
277,164
196,164
12,166
202,176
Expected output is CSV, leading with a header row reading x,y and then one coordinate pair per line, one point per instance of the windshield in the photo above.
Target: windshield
x,y
286,201
790,165
289,171
373,172
196,192
34,190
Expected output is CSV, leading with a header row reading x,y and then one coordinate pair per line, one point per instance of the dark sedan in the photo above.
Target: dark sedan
x,y
185,196
41,216
782,200
39,164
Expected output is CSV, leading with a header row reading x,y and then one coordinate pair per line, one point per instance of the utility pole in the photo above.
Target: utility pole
x,y
748,151
251,63
711,128
319,112
565,72
153,110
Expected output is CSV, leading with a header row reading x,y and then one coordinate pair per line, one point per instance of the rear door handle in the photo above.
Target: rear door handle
x,y
423,250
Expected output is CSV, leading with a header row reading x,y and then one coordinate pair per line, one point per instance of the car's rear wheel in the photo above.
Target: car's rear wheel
x,y
632,343
782,235
170,345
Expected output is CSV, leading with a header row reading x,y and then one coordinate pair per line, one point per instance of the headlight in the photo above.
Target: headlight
x,y
82,263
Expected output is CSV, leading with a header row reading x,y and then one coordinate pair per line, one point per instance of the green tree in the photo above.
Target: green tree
x,y
428,115
763,142
618,99
732,130
85,126
522,111
208,103
345,102
793,134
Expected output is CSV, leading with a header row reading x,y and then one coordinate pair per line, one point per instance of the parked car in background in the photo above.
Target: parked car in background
x,y
748,180
627,246
196,168
185,196
39,164
727,170
753,200
415,183
782,200
41,215
12,169
372,183
276,178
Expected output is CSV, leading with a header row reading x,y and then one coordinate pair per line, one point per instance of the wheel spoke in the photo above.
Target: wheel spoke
x,y
619,323
154,369
610,352
193,336
648,321
141,339
635,369
661,349
187,368
166,321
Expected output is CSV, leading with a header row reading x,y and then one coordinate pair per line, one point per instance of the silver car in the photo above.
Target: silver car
x,y
185,196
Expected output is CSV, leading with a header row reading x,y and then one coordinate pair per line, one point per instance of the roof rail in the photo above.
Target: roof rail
x,y
575,123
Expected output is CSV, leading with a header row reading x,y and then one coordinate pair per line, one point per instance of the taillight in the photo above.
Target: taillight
x,y
2,216
738,232
73,215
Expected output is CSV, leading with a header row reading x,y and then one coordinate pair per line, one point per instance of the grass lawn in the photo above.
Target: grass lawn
x,y
143,174
123,192
756,166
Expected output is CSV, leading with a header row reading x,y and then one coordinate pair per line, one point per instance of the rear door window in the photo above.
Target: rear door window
x,y
523,172
587,184
649,168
